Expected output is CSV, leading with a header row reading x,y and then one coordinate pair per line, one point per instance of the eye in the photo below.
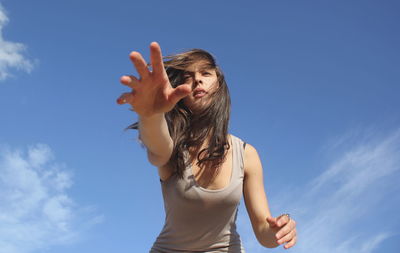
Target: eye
x,y
206,73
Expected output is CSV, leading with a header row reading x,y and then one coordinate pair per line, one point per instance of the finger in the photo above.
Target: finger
x,y
156,59
129,81
140,64
285,230
180,92
289,236
125,98
282,220
291,243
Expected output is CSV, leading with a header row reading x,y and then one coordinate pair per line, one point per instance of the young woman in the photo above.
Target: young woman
x,y
183,106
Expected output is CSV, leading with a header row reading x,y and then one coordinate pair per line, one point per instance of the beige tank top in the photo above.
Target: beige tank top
x,y
199,219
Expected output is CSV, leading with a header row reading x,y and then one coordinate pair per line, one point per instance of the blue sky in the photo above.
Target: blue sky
x,y
315,88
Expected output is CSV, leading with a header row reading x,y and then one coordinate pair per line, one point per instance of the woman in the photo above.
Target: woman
x,y
183,106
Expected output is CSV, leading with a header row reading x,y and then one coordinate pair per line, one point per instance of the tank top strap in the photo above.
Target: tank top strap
x,y
238,155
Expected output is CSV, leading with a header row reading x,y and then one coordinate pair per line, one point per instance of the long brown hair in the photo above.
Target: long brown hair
x,y
189,130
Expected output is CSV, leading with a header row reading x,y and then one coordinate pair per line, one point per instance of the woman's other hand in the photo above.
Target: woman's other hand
x,y
151,94
285,230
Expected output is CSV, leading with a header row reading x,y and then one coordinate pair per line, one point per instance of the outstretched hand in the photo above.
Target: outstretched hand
x,y
152,93
285,230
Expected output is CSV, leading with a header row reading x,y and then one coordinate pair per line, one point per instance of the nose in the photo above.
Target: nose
x,y
198,79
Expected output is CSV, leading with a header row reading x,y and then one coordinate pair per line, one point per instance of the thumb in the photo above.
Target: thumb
x,y
180,92
272,221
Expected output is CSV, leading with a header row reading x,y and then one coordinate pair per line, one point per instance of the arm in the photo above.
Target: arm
x,y
270,232
151,97
153,132
256,199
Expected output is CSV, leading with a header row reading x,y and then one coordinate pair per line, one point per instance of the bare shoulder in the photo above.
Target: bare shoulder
x,y
250,150
251,159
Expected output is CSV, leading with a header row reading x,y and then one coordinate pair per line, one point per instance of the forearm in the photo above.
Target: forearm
x,y
155,136
266,236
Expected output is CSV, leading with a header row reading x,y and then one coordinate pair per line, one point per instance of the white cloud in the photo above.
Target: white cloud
x,y
342,209
36,212
11,52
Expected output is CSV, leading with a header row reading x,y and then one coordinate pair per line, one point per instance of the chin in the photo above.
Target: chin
x,y
198,104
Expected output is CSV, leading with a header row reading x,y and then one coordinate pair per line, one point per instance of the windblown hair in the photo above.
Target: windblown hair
x,y
189,130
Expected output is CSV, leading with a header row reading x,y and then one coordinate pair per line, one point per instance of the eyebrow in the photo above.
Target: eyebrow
x,y
205,68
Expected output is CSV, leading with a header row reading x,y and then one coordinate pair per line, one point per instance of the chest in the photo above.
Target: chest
x,y
211,178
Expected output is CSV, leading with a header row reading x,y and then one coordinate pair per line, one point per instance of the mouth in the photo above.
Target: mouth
x,y
199,93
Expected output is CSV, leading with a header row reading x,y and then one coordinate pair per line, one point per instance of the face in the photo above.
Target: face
x,y
204,82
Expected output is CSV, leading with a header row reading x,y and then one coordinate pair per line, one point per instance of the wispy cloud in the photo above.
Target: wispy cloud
x,y
36,211
11,52
342,208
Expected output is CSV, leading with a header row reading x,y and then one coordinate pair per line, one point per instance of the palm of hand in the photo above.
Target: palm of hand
x,y
153,93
